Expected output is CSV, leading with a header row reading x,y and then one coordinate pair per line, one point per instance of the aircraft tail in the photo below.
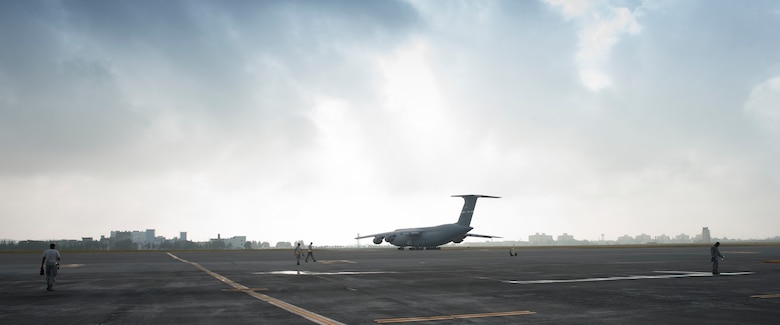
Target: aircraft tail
x,y
469,201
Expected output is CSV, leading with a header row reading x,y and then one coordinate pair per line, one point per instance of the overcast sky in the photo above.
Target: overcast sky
x,y
318,120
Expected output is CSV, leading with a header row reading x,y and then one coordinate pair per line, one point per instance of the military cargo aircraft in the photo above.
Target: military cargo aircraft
x,y
433,237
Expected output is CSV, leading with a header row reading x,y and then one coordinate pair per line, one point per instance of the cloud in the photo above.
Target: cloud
x,y
601,27
186,100
764,102
134,81
572,9
337,117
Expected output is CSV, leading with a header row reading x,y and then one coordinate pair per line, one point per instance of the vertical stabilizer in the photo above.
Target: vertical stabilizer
x,y
469,201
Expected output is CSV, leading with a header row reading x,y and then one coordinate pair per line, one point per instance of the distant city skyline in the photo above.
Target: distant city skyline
x,y
149,239
346,241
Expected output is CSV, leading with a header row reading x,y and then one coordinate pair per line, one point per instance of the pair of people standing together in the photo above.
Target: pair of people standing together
x,y
299,252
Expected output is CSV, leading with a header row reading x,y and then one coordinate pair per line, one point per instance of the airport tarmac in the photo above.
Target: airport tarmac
x,y
636,285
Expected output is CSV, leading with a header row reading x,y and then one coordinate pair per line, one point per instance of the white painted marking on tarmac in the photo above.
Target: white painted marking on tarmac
x,y
666,275
336,262
317,273
314,317
70,266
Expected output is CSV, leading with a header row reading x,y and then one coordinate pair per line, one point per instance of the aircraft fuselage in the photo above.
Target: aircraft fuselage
x,y
428,236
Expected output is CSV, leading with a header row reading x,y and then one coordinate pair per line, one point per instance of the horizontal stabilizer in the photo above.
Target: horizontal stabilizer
x,y
482,236
477,195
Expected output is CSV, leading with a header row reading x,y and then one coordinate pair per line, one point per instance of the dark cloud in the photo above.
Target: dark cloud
x,y
96,77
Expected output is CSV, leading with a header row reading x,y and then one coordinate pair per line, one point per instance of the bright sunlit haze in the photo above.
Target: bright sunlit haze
x,y
319,120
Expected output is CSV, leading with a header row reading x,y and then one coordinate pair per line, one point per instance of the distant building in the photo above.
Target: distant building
x,y
235,242
625,239
121,235
183,236
139,239
540,239
149,238
682,238
663,239
283,244
705,235
643,239
146,239
566,239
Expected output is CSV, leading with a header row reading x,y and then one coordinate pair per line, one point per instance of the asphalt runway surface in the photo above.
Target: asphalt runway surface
x,y
638,285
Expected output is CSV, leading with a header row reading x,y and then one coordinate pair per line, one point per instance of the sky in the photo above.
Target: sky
x,y
319,120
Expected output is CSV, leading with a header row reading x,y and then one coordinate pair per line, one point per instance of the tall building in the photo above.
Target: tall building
x,y
183,235
705,235
149,236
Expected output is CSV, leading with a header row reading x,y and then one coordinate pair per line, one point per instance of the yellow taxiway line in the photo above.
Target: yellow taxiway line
x,y
451,317
775,295
314,317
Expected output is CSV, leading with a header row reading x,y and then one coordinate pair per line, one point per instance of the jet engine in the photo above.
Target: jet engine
x,y
458,240
378,239
390,239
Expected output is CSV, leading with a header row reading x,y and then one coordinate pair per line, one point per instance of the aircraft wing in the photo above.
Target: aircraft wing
x,y
482,236
392,233
384,234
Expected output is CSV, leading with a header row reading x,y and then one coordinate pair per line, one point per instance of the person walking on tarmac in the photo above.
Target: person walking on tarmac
x,y
298,254
310,253
51,261
714,255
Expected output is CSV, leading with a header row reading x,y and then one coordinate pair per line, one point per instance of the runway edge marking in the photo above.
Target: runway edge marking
x,y
314,317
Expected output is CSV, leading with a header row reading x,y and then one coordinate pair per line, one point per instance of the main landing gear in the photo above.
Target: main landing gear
x,y
419,248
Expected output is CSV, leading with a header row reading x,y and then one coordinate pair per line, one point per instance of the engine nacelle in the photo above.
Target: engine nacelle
x,y
390,239
458,240
378,239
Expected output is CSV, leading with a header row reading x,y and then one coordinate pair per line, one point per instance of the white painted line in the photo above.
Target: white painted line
x,y
314,317
668,275
335,262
